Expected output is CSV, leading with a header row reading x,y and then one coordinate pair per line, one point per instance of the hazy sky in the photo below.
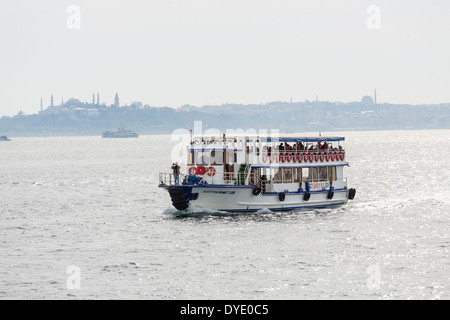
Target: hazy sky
x,y
175,52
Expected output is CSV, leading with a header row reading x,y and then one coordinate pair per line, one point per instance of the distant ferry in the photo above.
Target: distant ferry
x,y
119,133
248,174
4,138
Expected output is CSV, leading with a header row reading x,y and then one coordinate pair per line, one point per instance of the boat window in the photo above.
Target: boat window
x,y
278,177
314,174
297,174
287,175
216,157
202,158
255,176
269,174
231,157
305,174
322,174
332,173
191,157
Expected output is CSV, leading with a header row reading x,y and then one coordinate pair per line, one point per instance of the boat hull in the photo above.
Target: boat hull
x,y
242,199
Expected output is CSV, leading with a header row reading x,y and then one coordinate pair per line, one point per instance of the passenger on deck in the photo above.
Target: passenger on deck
x,y
176,172
300,146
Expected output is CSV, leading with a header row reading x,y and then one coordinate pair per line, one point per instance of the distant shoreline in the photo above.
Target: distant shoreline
x,y
83,119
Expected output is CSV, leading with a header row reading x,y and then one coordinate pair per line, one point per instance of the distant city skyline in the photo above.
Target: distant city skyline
x,y
116,101
213,52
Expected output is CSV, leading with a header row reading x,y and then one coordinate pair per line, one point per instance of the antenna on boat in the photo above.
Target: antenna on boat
x,y
191,135
320,134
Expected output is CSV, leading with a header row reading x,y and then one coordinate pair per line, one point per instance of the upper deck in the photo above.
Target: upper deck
x,y
276,163
266,151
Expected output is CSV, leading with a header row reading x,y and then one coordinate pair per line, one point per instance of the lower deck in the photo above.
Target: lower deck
x,y
251,199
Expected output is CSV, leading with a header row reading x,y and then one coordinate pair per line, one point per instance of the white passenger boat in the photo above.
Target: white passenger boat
x,y
248,174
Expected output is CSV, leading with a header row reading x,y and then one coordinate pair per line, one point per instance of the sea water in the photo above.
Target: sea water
x,y
83,218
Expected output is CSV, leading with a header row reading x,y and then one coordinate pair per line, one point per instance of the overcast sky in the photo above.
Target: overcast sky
x,y
175,52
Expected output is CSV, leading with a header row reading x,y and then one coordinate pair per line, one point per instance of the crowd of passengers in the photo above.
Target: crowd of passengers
x,y
298,146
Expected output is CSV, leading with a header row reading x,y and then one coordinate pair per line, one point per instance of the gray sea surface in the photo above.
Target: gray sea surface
x,y
82,218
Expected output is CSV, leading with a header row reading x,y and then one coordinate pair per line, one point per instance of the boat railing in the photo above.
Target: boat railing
x,y
241,178
229,177
168,178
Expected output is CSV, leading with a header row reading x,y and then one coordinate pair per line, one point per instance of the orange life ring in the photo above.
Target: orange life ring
x,y
283,158
211,171
316,157
322,157
201,170
295,157
265,157
299,157
342,155
311,157
333,156
289,157
193,170
327,156
306,157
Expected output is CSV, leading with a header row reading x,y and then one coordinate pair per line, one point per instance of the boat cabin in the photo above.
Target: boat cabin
x,y
273,164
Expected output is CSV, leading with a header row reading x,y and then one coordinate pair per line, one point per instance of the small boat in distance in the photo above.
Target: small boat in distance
x,y
4,138
119,133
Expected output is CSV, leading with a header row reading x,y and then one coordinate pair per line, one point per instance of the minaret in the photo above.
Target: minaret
x,y
93,99
42,107
62,101
51,101
116,100
375,96
98,98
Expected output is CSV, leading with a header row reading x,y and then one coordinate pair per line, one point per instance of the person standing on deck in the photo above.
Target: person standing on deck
x,y
176,172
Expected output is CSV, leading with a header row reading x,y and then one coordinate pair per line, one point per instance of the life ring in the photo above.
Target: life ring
x,y
193,170
322,157
333,156
327,156
316,157
283,157
256,191
201,170
211,171
265,157
311,157
351,194
306,196
272,158
306,157
289,157
295,157
330,194
342,155
299,157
